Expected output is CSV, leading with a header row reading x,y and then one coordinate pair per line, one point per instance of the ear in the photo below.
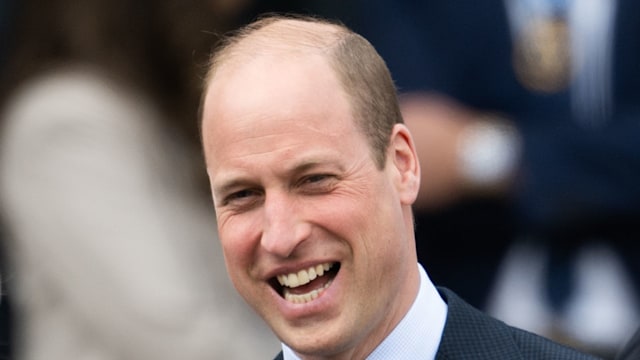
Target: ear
x,y
403,159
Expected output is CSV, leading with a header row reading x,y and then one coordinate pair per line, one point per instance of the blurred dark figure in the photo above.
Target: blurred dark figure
x,y
110,245
6,10
527,122
5,306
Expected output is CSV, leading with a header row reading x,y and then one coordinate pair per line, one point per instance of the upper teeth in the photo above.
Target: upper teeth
x,y
303,277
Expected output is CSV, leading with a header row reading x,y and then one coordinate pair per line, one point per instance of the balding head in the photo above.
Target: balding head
x,y
276,36
361,71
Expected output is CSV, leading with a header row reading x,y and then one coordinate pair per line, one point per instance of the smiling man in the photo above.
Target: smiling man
x,y
313,177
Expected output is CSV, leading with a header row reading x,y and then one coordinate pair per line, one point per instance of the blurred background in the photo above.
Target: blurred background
x,y
525,113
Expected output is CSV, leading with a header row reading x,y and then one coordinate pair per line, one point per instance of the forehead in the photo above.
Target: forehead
x,y
273,103
284,79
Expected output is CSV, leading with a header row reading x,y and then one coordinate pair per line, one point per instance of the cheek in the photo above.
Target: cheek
x,y
377,223
239,239
348,219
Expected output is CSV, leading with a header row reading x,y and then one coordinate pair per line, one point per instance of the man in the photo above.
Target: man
x,y
313,176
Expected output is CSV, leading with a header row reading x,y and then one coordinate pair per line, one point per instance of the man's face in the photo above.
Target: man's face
x,y
314,235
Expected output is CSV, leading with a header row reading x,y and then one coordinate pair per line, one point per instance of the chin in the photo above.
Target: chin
x,y
320,343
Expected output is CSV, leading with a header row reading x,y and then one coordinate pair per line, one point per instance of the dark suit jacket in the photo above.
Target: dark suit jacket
x,y
471,335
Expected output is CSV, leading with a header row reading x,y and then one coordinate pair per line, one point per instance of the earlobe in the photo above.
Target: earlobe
x,y
406,164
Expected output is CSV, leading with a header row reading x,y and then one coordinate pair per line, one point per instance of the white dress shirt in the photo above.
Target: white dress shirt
x,y
418,335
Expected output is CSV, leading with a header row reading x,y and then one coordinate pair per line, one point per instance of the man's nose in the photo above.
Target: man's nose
x,y
284,228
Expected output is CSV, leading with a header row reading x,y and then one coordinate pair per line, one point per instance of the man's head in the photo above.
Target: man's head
x,y
313,177
361,71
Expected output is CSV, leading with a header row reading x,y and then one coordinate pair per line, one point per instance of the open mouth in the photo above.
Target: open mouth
x,y
305,285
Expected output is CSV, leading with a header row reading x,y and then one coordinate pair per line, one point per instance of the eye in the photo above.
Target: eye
x,y
318,183
316,178
242,198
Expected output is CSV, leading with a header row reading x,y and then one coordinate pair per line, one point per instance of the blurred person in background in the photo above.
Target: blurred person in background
x,y
112,251
526,119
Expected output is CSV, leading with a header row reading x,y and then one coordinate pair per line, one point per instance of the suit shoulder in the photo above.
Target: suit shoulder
x,y
537,347
471,334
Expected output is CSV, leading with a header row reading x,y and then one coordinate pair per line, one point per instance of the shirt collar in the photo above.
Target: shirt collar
x,y
418,335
